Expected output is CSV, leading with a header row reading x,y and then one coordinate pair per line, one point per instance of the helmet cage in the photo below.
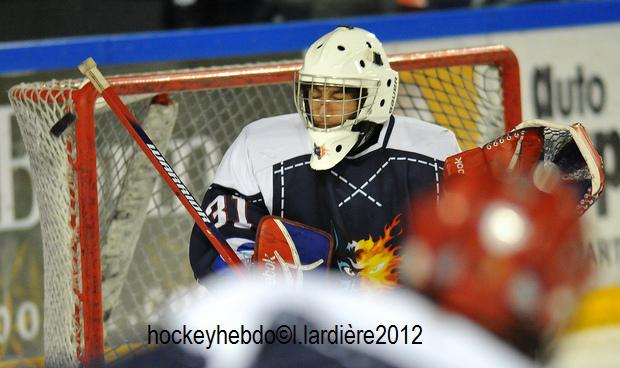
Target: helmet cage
x,y
362,91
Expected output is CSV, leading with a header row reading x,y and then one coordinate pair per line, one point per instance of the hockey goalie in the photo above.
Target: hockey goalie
x,y
349,167
343,164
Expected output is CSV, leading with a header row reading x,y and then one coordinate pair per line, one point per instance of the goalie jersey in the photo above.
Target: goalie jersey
x,y
362,202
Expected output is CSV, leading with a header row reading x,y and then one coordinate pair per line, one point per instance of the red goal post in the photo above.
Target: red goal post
x,y
115,241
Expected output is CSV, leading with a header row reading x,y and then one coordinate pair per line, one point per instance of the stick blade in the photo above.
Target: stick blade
x,y
62,124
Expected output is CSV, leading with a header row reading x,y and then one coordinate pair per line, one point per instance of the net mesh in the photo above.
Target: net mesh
x,y
561,151
53,182
154,265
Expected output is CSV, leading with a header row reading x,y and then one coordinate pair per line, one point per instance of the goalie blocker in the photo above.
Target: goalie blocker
x,y
284,250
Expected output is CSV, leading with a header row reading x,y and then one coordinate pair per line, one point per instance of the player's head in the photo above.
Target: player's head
x,y
506,255
345,79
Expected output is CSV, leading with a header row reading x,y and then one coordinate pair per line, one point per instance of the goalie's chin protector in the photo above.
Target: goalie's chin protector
x,y
329,148
286,249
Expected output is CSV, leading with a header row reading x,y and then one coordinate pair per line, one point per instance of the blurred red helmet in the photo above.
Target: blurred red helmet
x,y
504,254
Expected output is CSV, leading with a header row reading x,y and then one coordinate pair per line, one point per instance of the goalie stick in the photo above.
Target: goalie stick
x,y
89,69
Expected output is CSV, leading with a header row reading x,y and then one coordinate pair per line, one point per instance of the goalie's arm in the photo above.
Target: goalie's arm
x,y
236,216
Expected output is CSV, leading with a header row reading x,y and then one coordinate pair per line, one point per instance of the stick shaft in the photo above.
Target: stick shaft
x,y
161,165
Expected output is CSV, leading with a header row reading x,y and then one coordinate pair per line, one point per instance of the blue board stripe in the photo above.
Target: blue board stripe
x,y
222,42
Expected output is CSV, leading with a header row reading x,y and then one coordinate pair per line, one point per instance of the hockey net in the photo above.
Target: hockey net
x,y
103,208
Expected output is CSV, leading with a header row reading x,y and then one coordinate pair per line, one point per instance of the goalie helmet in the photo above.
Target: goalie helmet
x,y
345,79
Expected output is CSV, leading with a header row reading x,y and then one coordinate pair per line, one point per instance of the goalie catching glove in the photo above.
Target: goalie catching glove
x,y
537,148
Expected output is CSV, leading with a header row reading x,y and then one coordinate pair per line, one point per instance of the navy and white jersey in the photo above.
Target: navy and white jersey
x,y
363,201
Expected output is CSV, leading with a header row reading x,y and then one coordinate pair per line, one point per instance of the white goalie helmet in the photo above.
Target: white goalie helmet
x,y
345,79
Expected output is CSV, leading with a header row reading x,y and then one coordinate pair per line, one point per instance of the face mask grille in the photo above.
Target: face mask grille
x,y
331,103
